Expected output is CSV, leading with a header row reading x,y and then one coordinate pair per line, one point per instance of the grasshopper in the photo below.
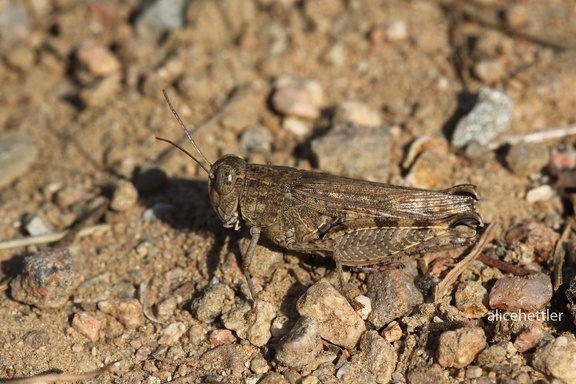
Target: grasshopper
x,y
359,223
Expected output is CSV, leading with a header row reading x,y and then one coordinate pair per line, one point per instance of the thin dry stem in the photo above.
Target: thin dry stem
x,y
50,237
452,276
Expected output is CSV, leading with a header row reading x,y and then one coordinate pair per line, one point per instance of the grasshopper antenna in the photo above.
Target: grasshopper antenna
x,y
187,134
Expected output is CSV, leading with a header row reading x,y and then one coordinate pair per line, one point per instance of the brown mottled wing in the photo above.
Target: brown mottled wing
x,y
351,199
359,243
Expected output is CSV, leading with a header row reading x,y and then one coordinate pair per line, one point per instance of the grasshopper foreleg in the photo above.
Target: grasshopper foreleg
x,y
246,261
355,304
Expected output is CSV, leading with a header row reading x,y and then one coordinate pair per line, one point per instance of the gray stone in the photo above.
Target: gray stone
x,y
359,152
252,327
557,358
256,138
526,159
301,345
525,293
377,356
393,295
460,347
490,116
470,298
158,17
124,197
215,299
46,279
17,154
339,323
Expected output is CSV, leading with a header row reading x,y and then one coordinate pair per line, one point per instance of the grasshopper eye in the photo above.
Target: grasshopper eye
x,y
225,179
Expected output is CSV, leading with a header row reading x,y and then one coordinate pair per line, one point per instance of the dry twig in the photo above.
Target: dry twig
x,y
451,277
534,137
61,377
50,237
559,255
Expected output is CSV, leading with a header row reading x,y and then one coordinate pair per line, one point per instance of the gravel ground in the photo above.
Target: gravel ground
x,y
114,264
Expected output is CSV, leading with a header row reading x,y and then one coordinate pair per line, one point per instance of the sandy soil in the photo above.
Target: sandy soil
x,y
90,117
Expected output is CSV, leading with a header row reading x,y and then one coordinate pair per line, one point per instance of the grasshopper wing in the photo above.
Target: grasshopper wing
x,y
351,199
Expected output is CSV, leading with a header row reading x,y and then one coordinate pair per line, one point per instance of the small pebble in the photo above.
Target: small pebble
x,y
197,333
124,197
393,295
158,17
541,193
377,356
358,113
339,323
490,70
428,374
396,377
336,55
127,311
256,138
172,333
535,234
473,372
492,356
562,159
87,325
256,331
158,211
526,159
297,97
274,378
70,195
93,290
490,116
21,58
366,309
369,147
281,325
430,167
17,154
460,347
220,337
470,297
259,365
557,358
216,299
392,332
296,125
166,308
46,279
521,293
98,60
99,93
14,22
301,345
517,15
36,338
38,226
396,30
530,338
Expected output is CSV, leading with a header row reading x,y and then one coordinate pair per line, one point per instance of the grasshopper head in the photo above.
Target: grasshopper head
x,y
225,185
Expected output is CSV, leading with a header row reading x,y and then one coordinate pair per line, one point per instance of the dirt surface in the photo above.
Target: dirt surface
x,y
81,99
